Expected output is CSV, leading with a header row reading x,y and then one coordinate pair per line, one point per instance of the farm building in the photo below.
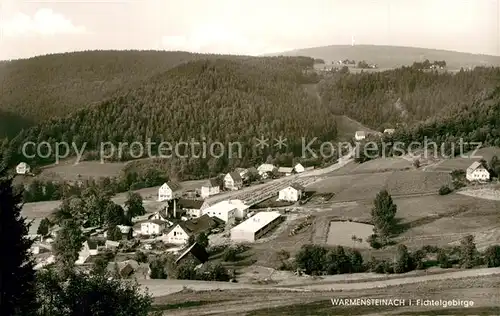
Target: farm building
x,y
153,227
299,168
265,168
180,233
192,208
286,171
165,193
233,181
255,227
292,193
212,187
477,172
23,168
195,252
224,210
360,135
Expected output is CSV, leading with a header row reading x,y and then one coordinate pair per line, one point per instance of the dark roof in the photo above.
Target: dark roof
x,y
157,221
173,185
198,225
127,270
236,176
252,170
213,182
190,204
92,244
297,186
197,251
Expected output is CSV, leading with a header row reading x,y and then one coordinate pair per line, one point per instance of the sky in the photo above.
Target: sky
x,y
251,27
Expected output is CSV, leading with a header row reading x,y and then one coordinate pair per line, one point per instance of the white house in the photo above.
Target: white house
x,y
165,193
255,227
209,189
477,172
292,193
299,168
389,131
180,233
223,210
233,181
109,244
360,135
153,227
22,168
192,208
89,248
265,168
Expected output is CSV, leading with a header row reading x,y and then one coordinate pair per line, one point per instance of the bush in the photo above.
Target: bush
x,y
444,190
402,262
141,257
492,256
443,260
374,242
230,254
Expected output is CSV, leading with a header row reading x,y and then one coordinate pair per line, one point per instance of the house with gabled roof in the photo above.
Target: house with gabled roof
x,y
292,193
265,168
299,168
153,227
195,253
23,168
180,233
212,187
360,135
233,181
477,172
192,208
166,191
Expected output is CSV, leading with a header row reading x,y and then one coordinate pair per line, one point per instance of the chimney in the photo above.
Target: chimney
x,y
175,209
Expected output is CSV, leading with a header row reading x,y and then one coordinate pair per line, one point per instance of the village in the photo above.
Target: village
x,y
218,210
237,208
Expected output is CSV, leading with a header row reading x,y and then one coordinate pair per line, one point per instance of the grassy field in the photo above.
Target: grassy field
x,y
376,165
483,291
464,162
366,186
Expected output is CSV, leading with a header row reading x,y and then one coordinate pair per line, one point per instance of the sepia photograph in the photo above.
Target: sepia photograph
x,y
259,158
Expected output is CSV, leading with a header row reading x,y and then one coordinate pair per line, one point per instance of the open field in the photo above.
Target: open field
x,y
393,56
448,165
347,127
482,290
375,165
340,234
486,193
353,187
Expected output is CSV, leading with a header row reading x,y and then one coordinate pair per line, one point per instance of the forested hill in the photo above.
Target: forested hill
x,y
404,95
218,100
39,88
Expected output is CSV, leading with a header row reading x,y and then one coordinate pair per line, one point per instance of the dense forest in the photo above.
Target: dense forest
x,y
223,100
40,88
404,95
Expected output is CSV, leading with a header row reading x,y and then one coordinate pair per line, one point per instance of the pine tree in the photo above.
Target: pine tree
x,y
17,276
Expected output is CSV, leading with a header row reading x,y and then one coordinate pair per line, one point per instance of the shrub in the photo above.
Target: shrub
x,y
402,262
141,257
444,190
374,242
230,254
443,260
492,256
